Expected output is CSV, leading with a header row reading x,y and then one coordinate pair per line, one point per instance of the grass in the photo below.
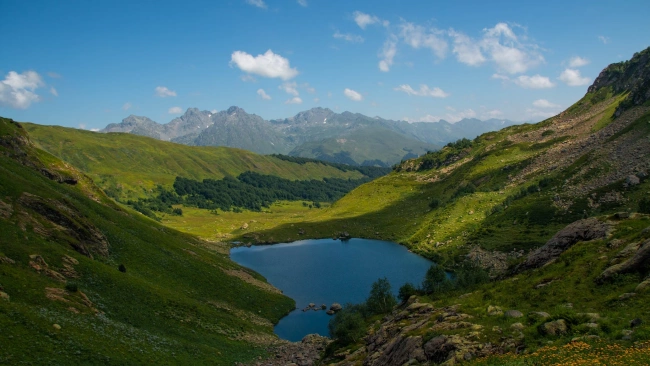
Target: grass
x,y
174,304
128,166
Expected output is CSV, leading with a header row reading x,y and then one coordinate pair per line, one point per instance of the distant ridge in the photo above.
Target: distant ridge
x,y
349,138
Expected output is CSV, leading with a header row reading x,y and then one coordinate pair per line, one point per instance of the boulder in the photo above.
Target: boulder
x,y
639,260
438,349
517,327
554,328
627,295
582,230
494,310
632,180
4,296
336,307
330,312
643,286
513,314
244,226
538,315
56,326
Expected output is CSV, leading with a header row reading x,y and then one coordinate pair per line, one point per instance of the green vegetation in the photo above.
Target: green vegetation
x,y
128,166
155,296
350,324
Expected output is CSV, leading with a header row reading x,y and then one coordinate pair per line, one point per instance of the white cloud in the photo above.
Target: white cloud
x,y
543,103
18,90
175,110
449,117
417,36
290,88
572,77
94,129
495,113
248,78
466,50
578,62
604,39
353,95
388,53
54,92
363,20
308,88
127,106
500,77
213,111
348,37
302,2
294,100
533,82
499,44
163,92
263,94
268,65
258,3
424,91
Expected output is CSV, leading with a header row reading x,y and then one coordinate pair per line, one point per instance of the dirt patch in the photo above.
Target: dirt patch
x,y
246,277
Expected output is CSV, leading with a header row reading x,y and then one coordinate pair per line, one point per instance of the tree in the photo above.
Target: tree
x,y
406,291
381,299
348,325
435,281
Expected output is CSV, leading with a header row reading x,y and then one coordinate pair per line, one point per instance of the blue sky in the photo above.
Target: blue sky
x,y
89,63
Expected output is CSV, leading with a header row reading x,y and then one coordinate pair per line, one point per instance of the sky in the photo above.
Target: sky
x,y
86,64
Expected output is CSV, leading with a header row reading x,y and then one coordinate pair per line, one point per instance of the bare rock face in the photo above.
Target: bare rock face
x,y
582,230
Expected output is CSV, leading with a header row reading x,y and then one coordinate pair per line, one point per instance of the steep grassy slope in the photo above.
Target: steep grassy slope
x,y
82,281
129,166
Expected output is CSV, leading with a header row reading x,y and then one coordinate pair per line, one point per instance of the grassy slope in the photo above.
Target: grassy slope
x,y
129,165
366,144
175,303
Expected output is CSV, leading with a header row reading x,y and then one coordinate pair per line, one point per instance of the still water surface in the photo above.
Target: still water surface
x,y
325,271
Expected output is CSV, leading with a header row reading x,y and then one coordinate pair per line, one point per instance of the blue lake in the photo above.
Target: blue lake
x,y
325,271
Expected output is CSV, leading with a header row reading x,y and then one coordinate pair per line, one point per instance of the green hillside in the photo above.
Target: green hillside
x,y
130,166
83,281
558,212
365,146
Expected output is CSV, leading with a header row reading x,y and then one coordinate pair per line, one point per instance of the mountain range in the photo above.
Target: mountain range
x,y
320,133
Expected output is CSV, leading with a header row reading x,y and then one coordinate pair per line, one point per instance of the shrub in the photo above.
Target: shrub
x,y
435,281
548,132
644,205
381,299
71,286
177,212
348,325
435,203
406,291
122,268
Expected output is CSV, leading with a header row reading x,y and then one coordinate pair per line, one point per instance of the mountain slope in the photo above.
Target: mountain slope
x,y
129,166
557,211
364,146
83,281
315,129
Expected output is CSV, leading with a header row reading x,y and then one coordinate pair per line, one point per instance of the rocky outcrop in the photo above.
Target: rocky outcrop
x,y
304,353
59,216
402,338
640,261
582,230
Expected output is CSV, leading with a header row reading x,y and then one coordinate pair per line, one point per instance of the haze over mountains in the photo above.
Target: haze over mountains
x,y
320,133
